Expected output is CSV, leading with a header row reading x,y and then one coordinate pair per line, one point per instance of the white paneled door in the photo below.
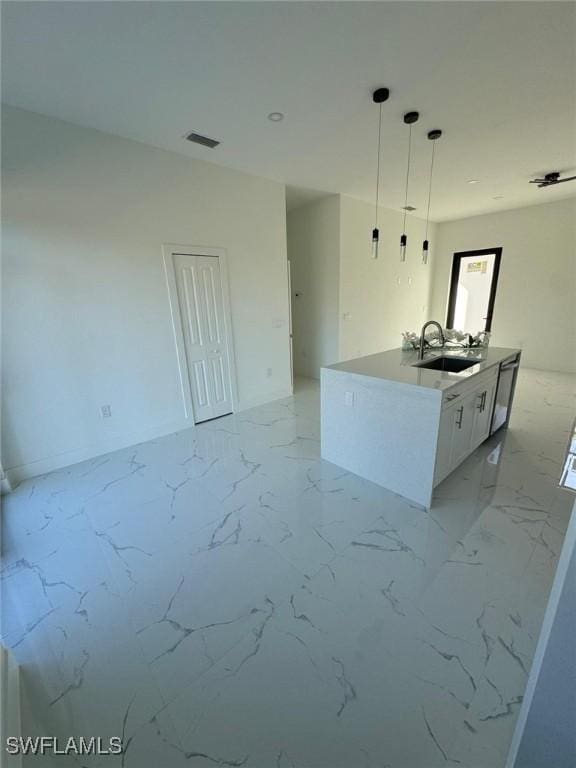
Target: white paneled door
x,y
204,329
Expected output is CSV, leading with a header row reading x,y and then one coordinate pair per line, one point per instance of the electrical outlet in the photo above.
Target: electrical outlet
x,y
106,411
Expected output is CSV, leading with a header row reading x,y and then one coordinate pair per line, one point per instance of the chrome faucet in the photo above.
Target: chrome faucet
x,y
423,337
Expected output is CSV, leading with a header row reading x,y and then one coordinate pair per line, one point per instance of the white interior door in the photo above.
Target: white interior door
x,y
202,311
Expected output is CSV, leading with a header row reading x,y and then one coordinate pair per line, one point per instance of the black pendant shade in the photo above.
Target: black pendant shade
x,y
379,96
433,136
409,119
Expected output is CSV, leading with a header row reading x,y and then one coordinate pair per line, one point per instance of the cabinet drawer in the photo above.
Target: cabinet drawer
x,y
453,395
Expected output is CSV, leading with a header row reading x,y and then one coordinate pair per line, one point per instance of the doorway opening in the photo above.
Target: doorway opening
x,y
473,290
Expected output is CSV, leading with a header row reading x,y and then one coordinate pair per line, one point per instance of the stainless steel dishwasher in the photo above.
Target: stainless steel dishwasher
x,y
505,392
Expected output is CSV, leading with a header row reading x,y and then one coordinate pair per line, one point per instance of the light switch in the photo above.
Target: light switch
x,y
349,399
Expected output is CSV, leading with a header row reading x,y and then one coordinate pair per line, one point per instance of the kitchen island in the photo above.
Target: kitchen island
x,y
406,423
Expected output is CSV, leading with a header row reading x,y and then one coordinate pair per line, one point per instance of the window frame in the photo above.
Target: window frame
x,y
453,290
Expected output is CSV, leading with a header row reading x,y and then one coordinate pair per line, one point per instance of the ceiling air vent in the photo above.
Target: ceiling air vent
x,y
196,138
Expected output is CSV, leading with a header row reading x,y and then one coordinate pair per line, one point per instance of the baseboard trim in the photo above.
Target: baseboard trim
x,y
245,404
15,475
5,486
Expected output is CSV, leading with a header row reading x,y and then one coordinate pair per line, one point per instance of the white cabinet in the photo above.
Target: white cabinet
x,y
444,448
463,428
483,412
454,434
464,422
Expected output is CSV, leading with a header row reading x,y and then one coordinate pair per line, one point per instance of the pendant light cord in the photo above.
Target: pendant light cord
x,y
407,174
430,189
378,166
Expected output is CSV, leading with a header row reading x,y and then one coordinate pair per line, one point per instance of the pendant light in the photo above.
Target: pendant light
x,y
379,96
409,118
433,136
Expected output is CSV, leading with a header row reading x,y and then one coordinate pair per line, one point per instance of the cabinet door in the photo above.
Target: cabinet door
x,y
463,425
483,413
444,447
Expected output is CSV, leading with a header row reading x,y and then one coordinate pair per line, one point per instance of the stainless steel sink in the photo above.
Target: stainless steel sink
x,y
449,364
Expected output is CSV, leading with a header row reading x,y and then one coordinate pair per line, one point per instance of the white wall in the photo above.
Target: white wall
x,y
546,730
86,319
536,295
10,705
350,304
314,253
380,298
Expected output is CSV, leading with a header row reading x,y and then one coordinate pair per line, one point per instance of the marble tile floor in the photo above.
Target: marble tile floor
x,y
223,597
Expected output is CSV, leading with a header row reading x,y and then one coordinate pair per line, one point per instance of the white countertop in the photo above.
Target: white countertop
x,y
397,365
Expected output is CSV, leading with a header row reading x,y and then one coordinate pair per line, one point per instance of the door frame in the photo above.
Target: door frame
x,y
169,250
290,330
453,289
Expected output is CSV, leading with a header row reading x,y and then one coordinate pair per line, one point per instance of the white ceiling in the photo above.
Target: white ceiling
x,y
499,79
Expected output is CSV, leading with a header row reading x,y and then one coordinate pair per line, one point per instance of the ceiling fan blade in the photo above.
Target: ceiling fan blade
x,y
556,181
551,182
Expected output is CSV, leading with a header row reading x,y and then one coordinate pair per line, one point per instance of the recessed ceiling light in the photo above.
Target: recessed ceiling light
x,y
276,117
473,181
